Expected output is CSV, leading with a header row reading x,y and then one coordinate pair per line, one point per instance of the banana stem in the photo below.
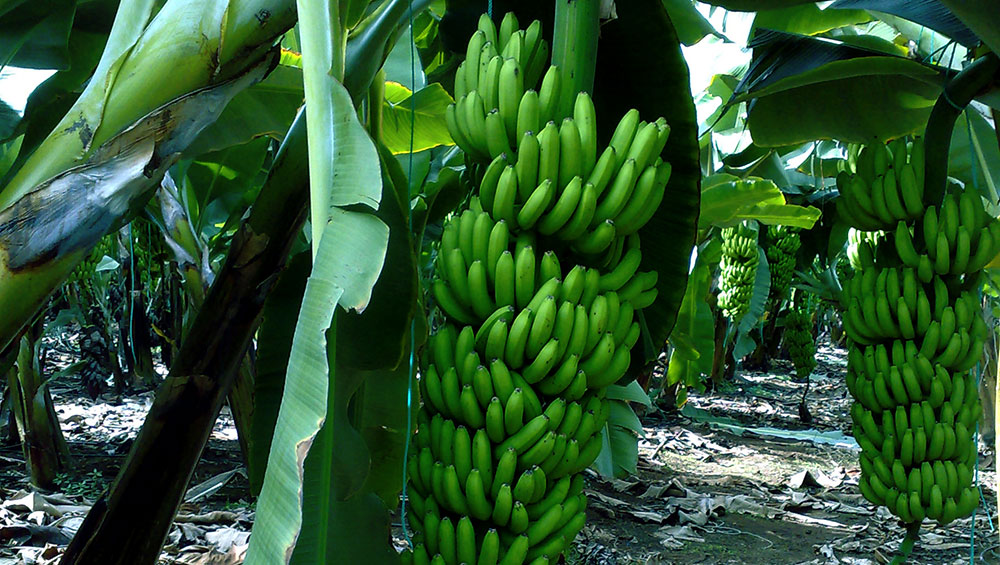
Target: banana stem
x,y
574,49
957,94
906,547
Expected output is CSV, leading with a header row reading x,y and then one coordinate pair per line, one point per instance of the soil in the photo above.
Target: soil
x,y
734,477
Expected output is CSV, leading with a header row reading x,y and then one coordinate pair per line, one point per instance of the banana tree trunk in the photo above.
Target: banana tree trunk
x,y
94,166
192,260
151,484
42,443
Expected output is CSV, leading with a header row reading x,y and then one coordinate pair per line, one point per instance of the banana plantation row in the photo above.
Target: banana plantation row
x,y
499,233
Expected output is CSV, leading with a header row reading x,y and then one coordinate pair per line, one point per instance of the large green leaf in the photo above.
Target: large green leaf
x,y
854,100
36,34
264,109
424,109
934,14
620,453
693,338
377,338
691,26
974,157
981,17
640,65
221,185
345,268
727,199
318,460
756,5
808,19
341,520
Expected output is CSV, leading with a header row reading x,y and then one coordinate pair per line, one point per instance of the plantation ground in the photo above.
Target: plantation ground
x,y
737,477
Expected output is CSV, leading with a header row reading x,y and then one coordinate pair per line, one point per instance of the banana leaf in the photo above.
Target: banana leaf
x,y
808,19
424,109
833,90
727,200
640,65
746,325
756,5
691,26
693,338
981,17
934,14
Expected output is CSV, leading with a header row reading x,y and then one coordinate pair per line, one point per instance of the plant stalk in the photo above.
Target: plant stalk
x,y
574,50
957,94
906,546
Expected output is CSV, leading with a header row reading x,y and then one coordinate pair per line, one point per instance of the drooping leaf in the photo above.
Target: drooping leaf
x,y
853,101
36,34
693,337
302,485
640,65
632,392
274,344
974,157
620,452
398,68
348,261
222,185
691,26
727,199
778,56
935,14
980,16
341,520
758,304
756,5
264,109
804,88
377,338
784,215
424,109
381,420
808,19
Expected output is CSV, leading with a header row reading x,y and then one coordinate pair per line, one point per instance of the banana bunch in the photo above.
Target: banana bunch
x,y
958,238
892,304
861,247
86,269
538,279
884,184
557,186
739,270
496,100
547,176
917,456
798,337
782,247
486,274
915,329
509,492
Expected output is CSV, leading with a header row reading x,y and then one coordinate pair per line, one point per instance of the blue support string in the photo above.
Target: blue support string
x,y
413,323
